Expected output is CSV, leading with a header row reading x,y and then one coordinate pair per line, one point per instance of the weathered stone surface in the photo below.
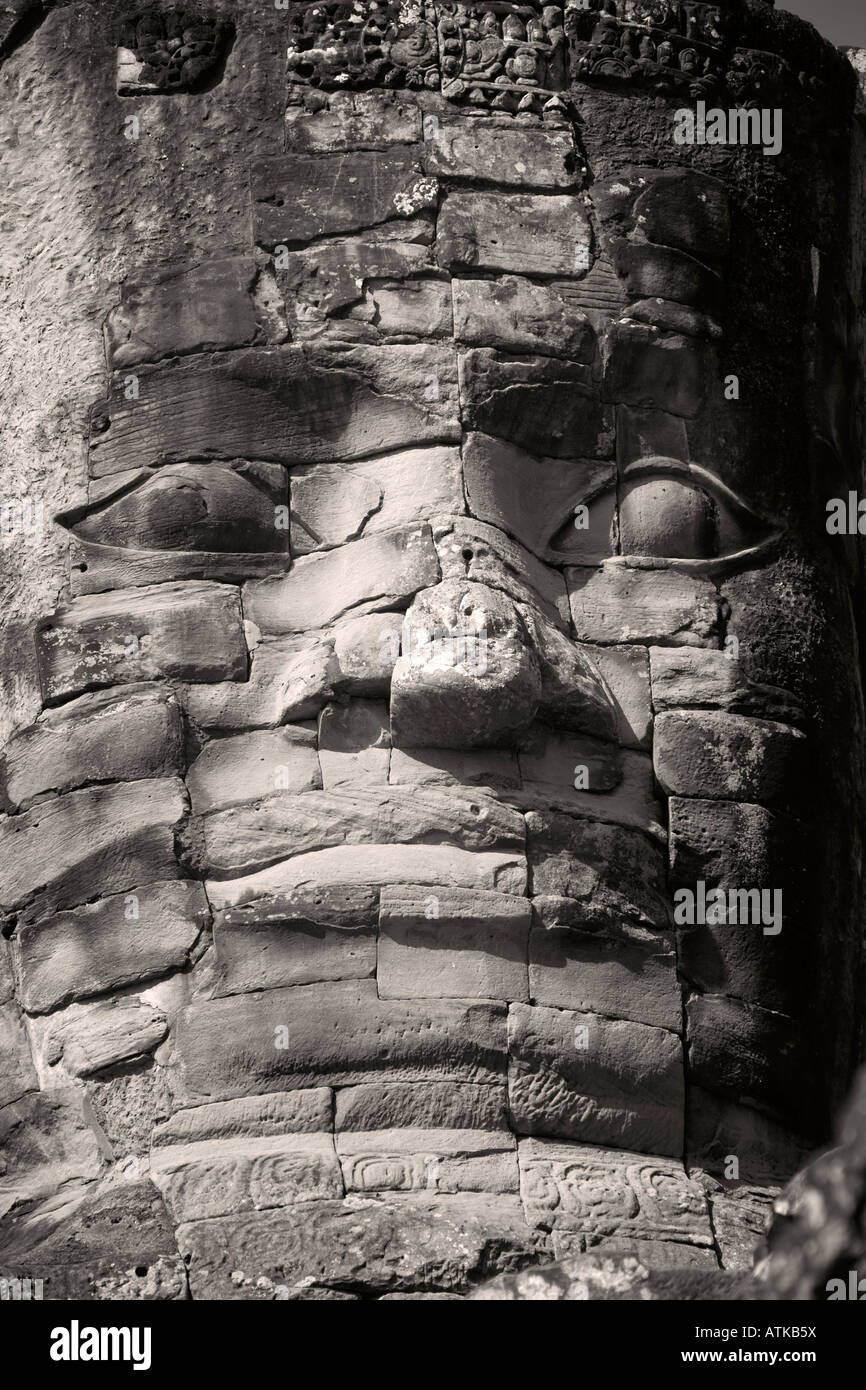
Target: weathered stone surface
x,y
270,894
90,843
230,771
111,1240
717,1127
337,1033
297,198
614,875
330,505
741,1216
290,405
441,943
468,675
546,405
573,695
320,282
89,1037
626,673
403,310
646,368
520,232
290,678
423,484
600,1081
48,1141
120,940
530,498
268,955
190,631
596,973
225,1176
613,1199
617,603
473,550
519,316
730,757
559,759
197,308
482,767
685,677
366,649
422,1104
379,571
100,737
757,950
501,153
253,1117
354,742
749,1054
353,121
428,1160
632,803
247,838
19,1075
394,1244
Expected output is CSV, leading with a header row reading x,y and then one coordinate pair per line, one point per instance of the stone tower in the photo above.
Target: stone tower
x,y
434,731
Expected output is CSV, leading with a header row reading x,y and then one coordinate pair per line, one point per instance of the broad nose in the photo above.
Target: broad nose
x,y
468,675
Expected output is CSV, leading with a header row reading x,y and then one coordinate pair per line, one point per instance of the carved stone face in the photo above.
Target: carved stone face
x,y
442,605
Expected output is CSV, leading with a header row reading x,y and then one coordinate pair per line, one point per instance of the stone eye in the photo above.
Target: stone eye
x,y
663,509
673,511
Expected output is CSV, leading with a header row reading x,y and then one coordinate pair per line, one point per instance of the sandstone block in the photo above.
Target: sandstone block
x,y
606,1194
597,1080
354,742
90,843
117,941
521,232
546,405
297,198
684,677
291,678
365,650
229,771
107,736
200,308
314,1035
396,1244
519,316
618,603
251,1117
380,571
221,1177
90,1037
270,894
731,757
268,955
626,674
246,838
293,405
189,631
445,943
422,1104
428,1160
595,973
502,154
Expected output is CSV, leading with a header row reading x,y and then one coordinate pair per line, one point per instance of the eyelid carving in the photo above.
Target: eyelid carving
x,y
670,512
